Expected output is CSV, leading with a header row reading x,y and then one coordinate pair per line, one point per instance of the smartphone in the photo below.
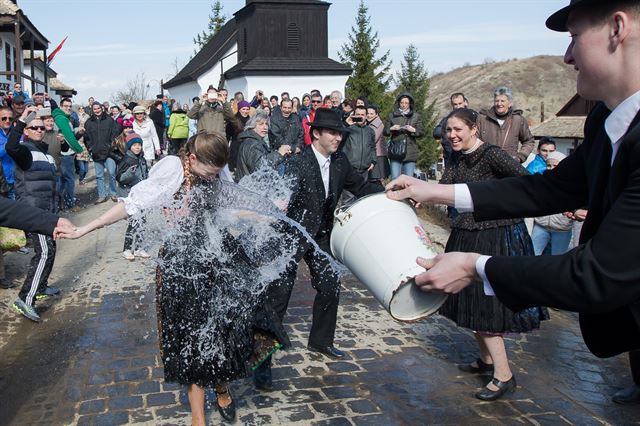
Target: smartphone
x,y
43,112
357,119
30,117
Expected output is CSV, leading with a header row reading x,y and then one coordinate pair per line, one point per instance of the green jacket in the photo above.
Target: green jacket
x,y
64,126
211,116
178,125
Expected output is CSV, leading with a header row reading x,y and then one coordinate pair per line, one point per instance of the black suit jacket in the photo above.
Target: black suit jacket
x,y
601,277
14,214
308,204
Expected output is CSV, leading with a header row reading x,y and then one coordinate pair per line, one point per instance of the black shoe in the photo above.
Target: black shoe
x,y
487,394
6,284
628,396
48,292
330,351
229,412
482,367
262,377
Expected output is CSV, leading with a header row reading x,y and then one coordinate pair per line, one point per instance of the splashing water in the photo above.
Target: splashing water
x,y
223,244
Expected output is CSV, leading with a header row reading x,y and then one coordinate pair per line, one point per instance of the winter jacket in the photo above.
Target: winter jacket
x,y
178,125
253,153
554,222
211,116
538,165
35,171
233,129
512,136
381,144
360,147
131,170
150,140
7,161
50,139
99,135
158,119
286,131
412,119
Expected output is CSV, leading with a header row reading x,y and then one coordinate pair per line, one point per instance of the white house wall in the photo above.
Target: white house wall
x,y
184,92
187,91
6,84
295,85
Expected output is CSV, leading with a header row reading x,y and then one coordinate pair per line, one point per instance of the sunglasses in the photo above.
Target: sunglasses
x,y
34,128
316,102
6,118
139,113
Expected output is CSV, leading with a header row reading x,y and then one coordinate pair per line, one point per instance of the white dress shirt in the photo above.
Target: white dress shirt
x,y
616,126
324,163
158,190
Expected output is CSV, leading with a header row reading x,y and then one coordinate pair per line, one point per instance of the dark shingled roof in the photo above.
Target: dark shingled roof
x,y
208,56
288,66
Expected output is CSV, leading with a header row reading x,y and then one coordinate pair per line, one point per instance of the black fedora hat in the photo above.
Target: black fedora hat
x,y
558,21
326,118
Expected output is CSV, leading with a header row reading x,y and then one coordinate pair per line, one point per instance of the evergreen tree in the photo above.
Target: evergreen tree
x,y
370,73
413,77
216,20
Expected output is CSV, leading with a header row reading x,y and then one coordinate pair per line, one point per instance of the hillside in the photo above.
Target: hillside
x,y
533,80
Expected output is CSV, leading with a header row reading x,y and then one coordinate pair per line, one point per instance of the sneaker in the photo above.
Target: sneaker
x,y
26,310
141,253
23,250
48,292
114,199
100,200
128,255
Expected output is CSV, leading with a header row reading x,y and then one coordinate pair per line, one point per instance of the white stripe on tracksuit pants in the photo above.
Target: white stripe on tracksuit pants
x,y
39,268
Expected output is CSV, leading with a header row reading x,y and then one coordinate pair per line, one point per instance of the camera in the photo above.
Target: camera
x,y
357,119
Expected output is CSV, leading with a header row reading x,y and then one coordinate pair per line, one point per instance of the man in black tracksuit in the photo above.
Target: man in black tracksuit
x,y
35,184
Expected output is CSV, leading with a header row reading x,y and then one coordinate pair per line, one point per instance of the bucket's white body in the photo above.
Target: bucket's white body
x,y
379,239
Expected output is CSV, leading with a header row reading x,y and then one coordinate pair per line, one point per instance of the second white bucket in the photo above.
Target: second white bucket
x,y
378,239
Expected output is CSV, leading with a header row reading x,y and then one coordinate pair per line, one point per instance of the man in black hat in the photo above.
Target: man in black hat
x,y
600,278
320,174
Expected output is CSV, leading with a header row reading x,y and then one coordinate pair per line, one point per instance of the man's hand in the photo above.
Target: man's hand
x,y
405,187
395,127
447,272
371,167
27,110
578,215
410,129
63,227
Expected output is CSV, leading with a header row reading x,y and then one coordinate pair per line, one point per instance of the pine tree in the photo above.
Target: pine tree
x,y
413,77
217,19
370,73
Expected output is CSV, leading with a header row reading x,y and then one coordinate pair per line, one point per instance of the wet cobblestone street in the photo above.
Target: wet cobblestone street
x,y
94,360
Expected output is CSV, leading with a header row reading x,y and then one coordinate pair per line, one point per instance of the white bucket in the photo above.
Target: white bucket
x,y
378,239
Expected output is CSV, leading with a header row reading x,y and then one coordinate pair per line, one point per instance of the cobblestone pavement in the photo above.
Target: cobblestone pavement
x,y
94,360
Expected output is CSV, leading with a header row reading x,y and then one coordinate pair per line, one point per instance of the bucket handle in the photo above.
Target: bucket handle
x,y
342,216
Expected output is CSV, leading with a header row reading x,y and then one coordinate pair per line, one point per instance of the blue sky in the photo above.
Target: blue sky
x,y
110,42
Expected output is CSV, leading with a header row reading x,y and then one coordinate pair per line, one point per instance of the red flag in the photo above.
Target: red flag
x,y
55,51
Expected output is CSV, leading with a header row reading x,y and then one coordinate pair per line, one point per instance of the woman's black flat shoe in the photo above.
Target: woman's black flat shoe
x,y
229,412
482,367
487,394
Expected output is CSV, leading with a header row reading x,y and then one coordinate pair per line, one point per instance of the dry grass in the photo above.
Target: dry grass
x,y
533,80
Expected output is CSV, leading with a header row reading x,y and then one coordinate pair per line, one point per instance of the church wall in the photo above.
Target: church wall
x,y
295,85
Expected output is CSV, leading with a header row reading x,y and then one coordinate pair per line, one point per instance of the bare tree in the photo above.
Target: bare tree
x,y
135,90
